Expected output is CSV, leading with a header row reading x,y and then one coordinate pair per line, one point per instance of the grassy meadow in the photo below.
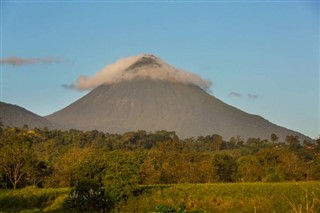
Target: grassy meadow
x,y
231,197
215,197
32,199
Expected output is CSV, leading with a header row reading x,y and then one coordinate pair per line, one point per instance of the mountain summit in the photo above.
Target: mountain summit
x,y
148,94
146,60
144,66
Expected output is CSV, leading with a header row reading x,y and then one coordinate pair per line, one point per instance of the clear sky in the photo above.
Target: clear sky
x,y
262,56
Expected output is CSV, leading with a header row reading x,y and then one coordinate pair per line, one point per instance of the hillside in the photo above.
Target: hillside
x,y
13,115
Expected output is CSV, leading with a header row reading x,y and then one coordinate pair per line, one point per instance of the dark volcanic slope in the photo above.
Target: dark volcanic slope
x,y
162,105
12,115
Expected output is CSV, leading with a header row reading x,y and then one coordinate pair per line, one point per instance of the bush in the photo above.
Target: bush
x,y
89,196
168,209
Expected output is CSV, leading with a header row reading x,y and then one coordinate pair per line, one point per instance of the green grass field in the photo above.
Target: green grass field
x,y
32,200
230,197
233,197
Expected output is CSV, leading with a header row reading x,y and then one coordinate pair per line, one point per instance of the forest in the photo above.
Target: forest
x,y
122,163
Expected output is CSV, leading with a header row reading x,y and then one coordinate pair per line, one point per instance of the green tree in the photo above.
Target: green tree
x,y
290,168
269,160
150,169
16,156
36,172
317,146
217,142
78,164
225,168
314,171
249,168
274,138
122,174
293,142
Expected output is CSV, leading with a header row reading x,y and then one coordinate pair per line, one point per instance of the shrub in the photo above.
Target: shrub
x,y
168,209
89,196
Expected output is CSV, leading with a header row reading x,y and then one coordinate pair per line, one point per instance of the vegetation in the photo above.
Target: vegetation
x,y
89,196
32,199
115,167
214,197
229,197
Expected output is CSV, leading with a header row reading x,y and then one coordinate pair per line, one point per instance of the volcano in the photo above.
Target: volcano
x,y
150,95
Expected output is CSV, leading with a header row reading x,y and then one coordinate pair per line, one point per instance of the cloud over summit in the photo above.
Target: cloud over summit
x,y
138,67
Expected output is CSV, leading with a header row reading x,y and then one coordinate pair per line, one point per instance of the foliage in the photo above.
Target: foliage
x,y
229,197
168,209
172,162
122,174
225,168
249,169
54,158
17,159
77,164
124,163
89,196
217,197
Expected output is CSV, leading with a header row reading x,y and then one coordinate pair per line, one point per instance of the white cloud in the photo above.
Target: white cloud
x,y
119,71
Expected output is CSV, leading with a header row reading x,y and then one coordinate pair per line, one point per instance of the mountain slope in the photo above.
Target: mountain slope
x,y
146,93
15,116
151,105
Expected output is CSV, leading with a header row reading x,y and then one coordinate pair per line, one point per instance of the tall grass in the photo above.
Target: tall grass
x,y
32,199
233,197
284,197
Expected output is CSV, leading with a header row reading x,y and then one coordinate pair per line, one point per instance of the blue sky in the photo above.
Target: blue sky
x,y
262,57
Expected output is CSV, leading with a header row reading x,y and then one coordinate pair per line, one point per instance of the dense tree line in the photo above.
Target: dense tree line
x,y
54,158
